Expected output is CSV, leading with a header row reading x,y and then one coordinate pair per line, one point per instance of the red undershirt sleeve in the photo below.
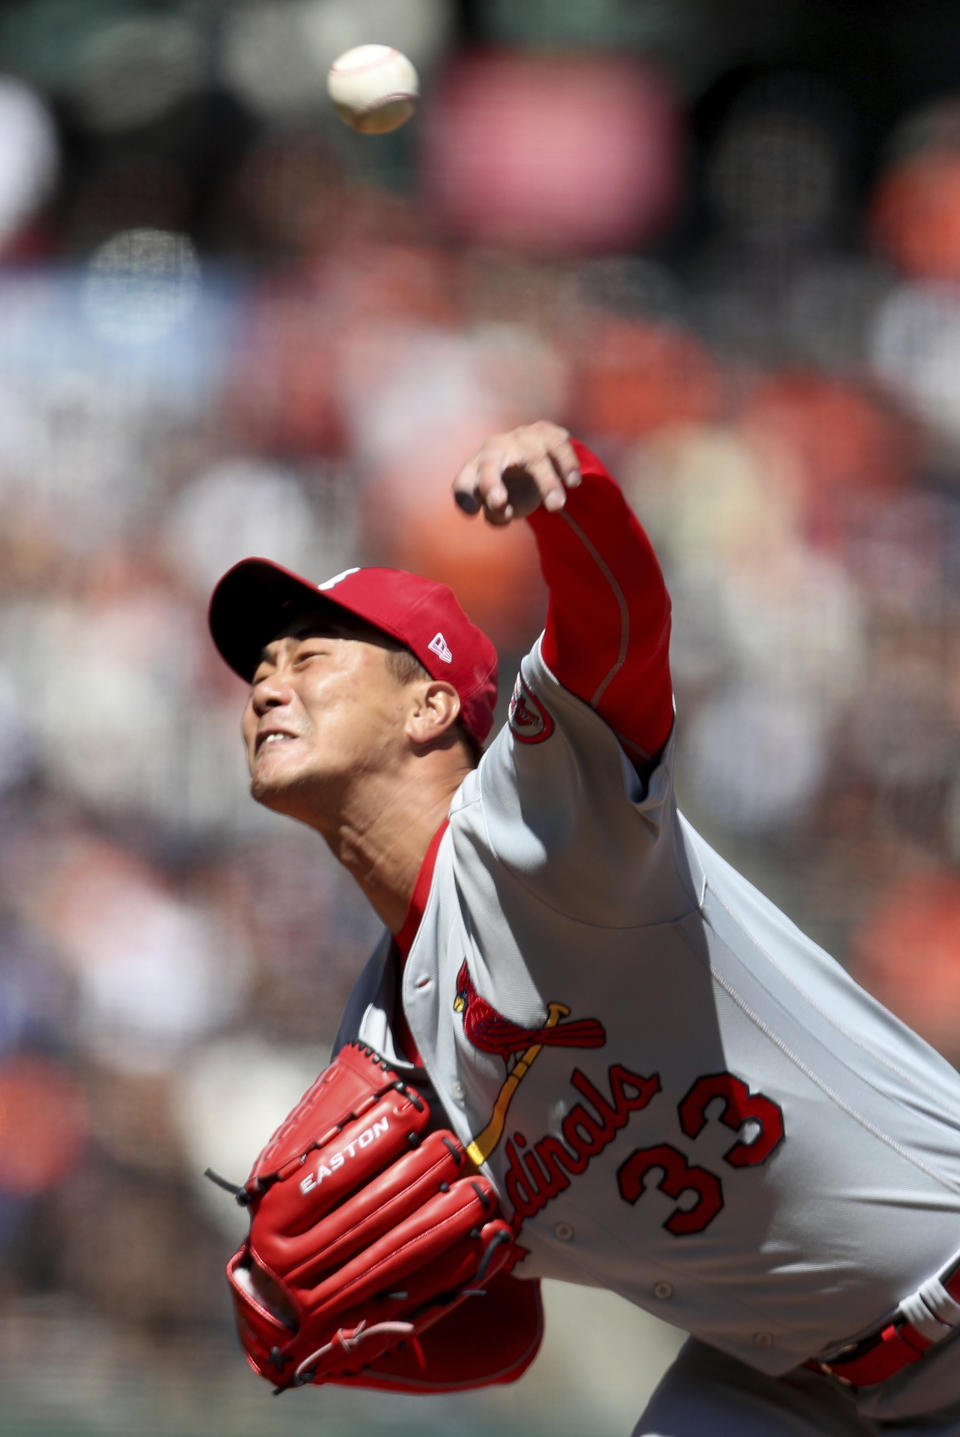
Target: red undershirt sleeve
x,y
608,620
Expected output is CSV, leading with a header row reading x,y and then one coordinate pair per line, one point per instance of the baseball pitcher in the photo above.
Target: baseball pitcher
x,y
586,1047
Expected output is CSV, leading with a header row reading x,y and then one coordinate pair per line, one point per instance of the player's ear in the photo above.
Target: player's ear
x,y
433,711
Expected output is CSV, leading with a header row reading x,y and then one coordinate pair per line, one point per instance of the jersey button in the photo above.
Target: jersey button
x,y
563,1231
763,1339
457,1091
663,1290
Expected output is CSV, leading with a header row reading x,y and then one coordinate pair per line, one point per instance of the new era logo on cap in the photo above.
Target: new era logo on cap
x,y
256,600
439,646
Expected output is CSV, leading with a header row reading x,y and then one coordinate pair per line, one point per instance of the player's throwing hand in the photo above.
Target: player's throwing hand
x,y
514,473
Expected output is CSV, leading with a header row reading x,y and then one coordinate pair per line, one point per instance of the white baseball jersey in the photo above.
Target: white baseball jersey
x,y
677,1094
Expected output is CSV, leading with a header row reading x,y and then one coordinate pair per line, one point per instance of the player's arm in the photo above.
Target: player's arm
x,y
608,623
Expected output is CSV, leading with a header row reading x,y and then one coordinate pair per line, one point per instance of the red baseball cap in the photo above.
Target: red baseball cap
x,y
257,599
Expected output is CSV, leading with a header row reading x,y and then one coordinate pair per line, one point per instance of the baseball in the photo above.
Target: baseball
x,y
374,88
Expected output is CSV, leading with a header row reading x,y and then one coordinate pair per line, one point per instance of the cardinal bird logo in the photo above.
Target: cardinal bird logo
x,y
519,1047
489,1031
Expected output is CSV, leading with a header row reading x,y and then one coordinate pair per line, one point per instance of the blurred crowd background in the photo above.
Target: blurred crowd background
x,y
721,243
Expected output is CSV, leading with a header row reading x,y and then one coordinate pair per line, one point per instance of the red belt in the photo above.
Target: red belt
x,y
888,1350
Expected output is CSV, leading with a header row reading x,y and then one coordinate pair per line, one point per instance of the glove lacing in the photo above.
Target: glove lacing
x,y
348,1342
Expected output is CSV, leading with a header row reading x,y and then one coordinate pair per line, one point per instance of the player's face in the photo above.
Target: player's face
x,y
325,713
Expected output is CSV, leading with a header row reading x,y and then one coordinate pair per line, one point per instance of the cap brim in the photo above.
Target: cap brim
x,y
251,604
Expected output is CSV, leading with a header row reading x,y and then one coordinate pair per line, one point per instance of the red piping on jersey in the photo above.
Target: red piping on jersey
x,y
403,940
421,891
608,623
620,597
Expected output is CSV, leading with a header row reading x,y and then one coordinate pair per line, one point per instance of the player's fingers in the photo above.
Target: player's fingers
x,y
516,472
466,486
464,493
544,439
565,458
479,485
538,481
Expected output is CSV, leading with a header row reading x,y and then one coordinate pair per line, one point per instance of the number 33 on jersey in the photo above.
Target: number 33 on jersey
x,y
538,1172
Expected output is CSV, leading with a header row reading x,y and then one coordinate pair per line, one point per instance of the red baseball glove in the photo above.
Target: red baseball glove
x,y
376,1254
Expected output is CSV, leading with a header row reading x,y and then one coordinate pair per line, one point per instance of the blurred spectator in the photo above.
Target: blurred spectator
x,y
906,950
554,153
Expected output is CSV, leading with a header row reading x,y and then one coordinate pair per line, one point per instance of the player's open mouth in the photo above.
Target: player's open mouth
x,y
274,736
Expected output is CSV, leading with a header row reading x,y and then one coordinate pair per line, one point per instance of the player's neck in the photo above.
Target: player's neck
x,y
383,849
